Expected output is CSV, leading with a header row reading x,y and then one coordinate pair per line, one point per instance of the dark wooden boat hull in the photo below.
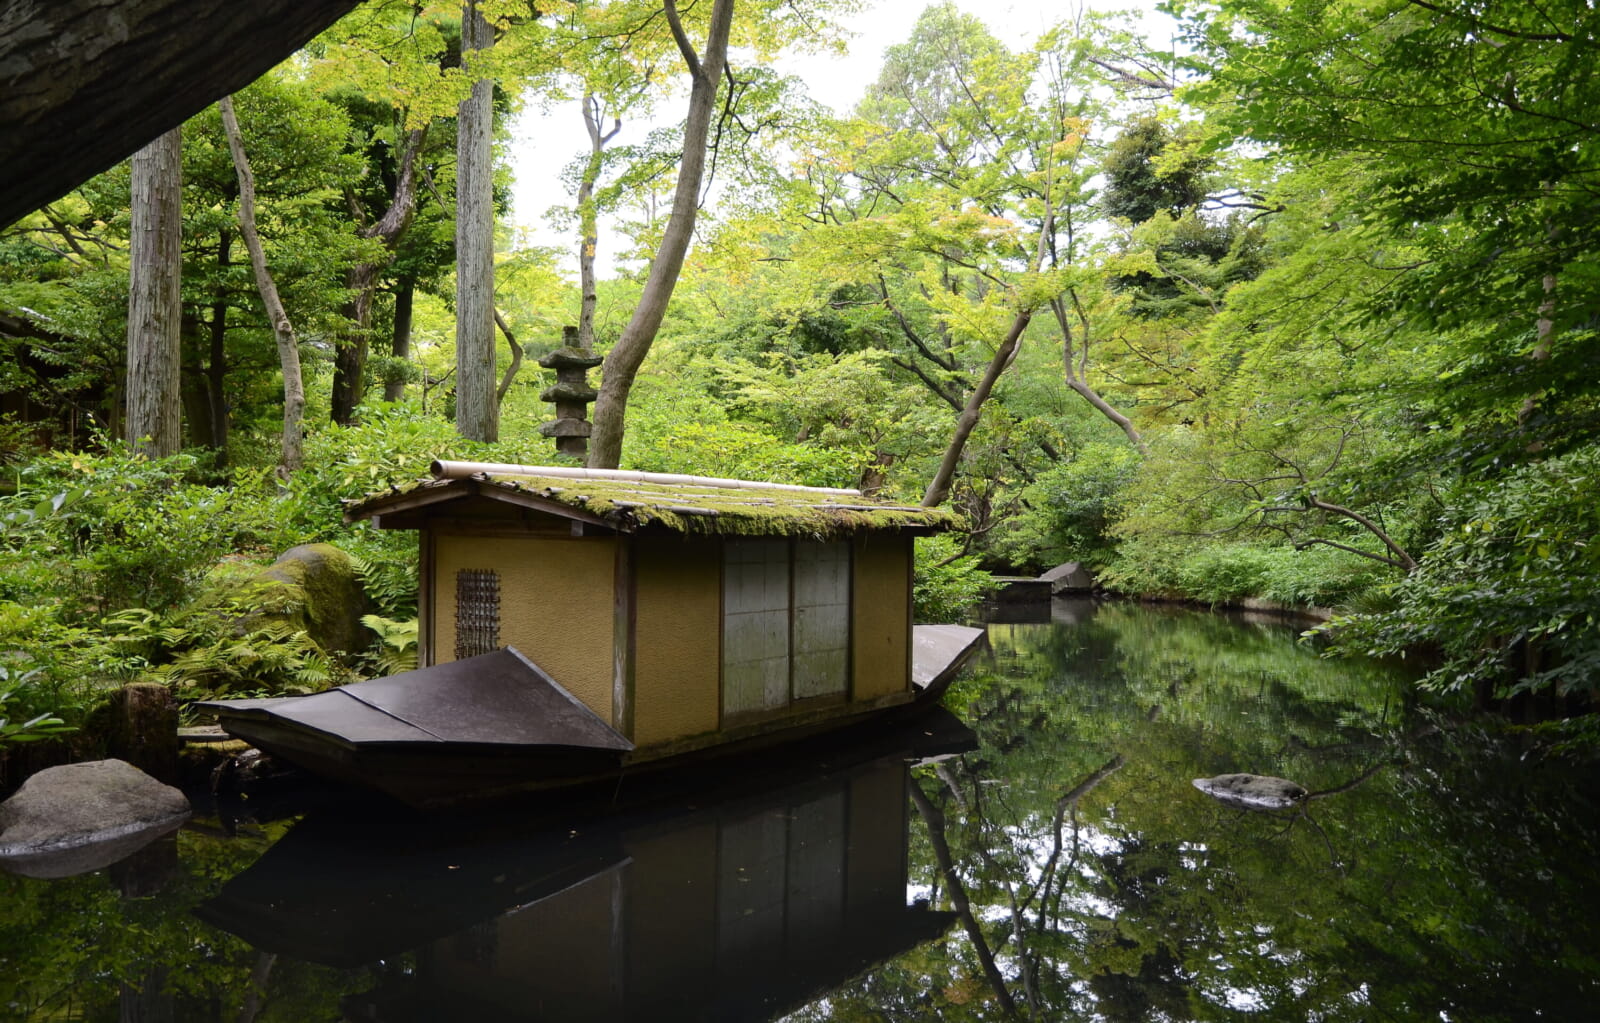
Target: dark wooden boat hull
x,y
493,726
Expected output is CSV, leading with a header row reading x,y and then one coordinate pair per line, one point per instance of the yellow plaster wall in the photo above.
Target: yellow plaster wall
x,y
677,639
881,636
556,605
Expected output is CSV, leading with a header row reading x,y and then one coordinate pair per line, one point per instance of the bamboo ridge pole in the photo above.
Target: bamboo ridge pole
x,y
445,470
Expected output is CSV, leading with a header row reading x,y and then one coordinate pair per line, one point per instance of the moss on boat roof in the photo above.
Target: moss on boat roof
x,y
629,505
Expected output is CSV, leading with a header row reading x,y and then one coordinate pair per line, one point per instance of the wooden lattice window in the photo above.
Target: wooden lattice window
x,y
477,612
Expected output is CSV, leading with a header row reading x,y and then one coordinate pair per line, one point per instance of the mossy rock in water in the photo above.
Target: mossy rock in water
x,y
1252,791
312,587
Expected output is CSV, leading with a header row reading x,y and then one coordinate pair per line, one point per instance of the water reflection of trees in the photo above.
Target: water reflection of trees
x,y
1431,874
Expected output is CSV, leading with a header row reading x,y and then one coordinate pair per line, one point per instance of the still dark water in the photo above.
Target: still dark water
x,y
1064,869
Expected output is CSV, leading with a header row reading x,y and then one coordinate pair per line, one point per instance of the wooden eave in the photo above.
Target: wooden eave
x,y
411,509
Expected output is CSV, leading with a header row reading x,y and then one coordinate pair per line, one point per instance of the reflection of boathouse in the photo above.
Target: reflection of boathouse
x,y
738,914
742,909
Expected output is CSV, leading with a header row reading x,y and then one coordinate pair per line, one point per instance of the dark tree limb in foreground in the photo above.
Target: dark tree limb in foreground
x,y
76,98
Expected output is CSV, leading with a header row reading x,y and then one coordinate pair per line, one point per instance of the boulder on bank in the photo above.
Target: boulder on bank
x,y
1252,791
1070,577
312,587
81,817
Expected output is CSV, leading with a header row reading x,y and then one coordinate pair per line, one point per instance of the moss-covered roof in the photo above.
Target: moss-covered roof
x,y
629,505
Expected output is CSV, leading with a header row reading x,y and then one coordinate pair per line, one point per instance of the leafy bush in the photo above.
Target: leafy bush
x,y
1221,573
396,649
1069,509
947,582
1507,594
43,725
121,530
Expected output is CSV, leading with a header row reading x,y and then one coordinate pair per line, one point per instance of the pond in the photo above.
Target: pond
x,y
1059,864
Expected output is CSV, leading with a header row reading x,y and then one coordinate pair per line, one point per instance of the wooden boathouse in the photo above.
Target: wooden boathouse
x,y
683,611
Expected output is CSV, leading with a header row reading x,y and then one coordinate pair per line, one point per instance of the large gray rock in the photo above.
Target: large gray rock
x,y
81,817
1252,791
1070,577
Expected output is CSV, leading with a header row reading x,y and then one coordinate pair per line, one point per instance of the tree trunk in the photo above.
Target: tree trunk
x,y
350,350
294,397
361,281
394,388
516,357
477,412
155,276
216,372
622,365
939,489
1075,367
589,227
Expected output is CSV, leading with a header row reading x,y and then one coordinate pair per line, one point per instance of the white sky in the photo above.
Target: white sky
x,y
543,143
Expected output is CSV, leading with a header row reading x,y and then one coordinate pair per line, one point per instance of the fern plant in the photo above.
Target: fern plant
x,y
396,649
203,654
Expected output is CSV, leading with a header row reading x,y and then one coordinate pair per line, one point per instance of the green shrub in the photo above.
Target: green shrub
x,y
203,653
1219,573
947,582
1507,593
125,530
1068,510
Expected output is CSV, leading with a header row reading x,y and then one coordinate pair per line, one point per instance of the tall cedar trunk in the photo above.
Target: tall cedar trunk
x,y
394,388
477,412
939,489
294,395
361,282
589,243
622,365
155,262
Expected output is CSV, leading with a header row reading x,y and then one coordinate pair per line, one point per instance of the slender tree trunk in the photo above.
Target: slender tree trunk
x,y
622,365
516,357
477,412
350,353
588,220
294,396
1075,366
361,281
155,276
217,360
394,388
939,489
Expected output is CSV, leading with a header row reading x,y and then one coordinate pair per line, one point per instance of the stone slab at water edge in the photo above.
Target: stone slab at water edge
x,y
81,817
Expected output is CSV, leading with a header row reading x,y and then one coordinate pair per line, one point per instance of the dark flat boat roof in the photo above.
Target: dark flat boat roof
x,y
497,699
938,652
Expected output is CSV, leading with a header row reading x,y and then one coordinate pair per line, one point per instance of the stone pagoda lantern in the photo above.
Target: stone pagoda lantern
x,y
571,394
